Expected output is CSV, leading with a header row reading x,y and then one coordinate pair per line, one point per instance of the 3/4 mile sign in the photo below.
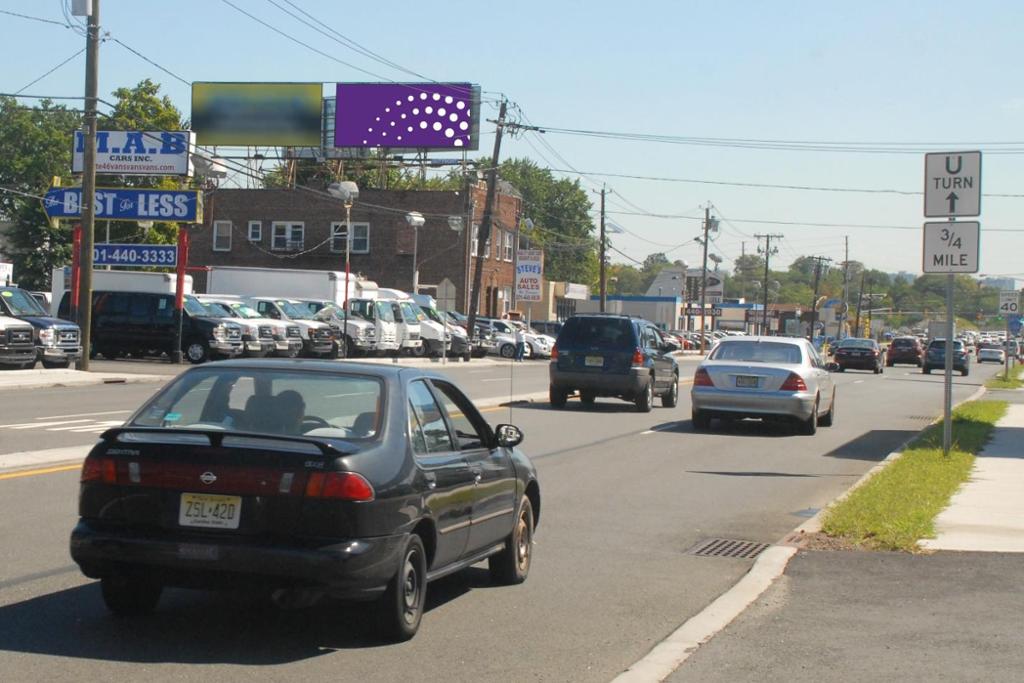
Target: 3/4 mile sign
x,y
952,184
951,247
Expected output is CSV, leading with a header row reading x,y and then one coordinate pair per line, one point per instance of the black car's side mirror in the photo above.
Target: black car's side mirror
x,y
508,436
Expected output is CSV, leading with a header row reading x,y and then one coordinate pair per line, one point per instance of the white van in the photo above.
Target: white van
x,y
407,325
381,314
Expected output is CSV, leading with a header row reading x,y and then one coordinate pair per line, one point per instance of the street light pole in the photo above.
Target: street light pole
x,y
415,220
348,192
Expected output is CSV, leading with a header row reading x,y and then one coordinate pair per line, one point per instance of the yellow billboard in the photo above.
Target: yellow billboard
x,y
271,114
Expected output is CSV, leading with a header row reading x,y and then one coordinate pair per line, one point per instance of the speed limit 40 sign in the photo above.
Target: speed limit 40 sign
x,y
1009,302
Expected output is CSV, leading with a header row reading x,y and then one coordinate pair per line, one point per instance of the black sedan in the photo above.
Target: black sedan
x,y
307,479
862,354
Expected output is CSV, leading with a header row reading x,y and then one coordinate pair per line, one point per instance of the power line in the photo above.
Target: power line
x,y
39,19
150,61
30,84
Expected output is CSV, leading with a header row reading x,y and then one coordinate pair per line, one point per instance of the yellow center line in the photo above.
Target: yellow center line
x,y
45,470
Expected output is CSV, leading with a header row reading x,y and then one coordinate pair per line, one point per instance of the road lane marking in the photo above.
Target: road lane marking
x,y
859,381
497,379
37,425
44,470
668,428
106,412
95,427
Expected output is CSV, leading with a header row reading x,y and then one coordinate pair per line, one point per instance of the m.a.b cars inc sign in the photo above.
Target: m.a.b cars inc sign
x,y
133,152
529,274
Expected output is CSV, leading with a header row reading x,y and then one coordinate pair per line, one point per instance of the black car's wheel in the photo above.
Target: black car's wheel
x,y
466,356
128,596
829,418
809,426
701,420
963,373
197,351
587,397
557,397
671,397
926,370
507,350
401,607
512,564
645,399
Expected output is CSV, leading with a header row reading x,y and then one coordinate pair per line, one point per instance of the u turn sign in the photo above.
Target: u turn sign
x,y
952,184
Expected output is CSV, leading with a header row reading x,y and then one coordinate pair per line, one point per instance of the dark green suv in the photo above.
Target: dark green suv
x,y
613,355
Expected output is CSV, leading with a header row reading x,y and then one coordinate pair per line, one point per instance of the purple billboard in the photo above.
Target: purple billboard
x,y
407,115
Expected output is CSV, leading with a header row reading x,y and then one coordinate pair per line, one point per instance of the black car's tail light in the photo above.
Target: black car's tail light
x,y
793,383
554,352
701,378
99,470
339,486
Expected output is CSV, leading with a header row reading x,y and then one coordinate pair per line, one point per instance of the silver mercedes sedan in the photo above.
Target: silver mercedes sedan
x,y
764,377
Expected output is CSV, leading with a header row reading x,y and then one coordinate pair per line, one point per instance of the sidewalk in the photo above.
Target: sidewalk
x,y
953,613
40,379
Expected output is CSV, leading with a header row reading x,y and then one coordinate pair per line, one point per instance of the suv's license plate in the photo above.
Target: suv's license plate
x,y
594,361
746,381
210,511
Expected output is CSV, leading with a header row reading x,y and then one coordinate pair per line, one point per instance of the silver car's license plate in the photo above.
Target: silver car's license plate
x,y
746,381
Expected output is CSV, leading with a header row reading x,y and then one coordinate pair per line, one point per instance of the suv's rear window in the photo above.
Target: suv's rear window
x,y
612,333
902,343
756,352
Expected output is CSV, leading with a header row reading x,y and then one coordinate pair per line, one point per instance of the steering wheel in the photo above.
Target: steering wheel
x,y
313,421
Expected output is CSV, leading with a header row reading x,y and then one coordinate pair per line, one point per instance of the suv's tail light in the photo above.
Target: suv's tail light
x,y
701,378
338,486
793,383
638,356
554,352
99,469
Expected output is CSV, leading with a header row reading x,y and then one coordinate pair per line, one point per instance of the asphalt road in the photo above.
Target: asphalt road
x,y
625,496
69,416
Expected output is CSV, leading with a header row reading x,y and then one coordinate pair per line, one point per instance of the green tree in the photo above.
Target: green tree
x,y
35,146
559,209
140,108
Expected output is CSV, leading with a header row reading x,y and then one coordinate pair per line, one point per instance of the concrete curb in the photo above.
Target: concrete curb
x,y
671,653
45,379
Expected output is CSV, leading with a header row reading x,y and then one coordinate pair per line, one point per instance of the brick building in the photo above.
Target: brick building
x,y
306,230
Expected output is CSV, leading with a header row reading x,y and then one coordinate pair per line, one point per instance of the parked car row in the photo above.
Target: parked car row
x,y
55,343
140,323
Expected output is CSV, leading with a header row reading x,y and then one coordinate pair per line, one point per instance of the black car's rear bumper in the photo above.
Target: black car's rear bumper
x,y
603,383
858,362
354,569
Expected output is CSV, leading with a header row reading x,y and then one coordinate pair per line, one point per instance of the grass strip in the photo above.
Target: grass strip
x,y
897,507
1014,381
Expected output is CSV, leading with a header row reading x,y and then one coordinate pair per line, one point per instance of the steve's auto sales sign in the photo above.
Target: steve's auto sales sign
x,y
529,273
133,152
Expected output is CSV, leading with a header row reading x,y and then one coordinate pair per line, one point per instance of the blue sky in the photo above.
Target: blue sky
x,y
936,72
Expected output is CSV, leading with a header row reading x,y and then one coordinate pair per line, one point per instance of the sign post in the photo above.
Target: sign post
x,y
1009,306
952,188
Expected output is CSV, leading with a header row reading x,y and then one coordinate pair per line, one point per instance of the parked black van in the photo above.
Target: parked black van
x,y
58,342
142,323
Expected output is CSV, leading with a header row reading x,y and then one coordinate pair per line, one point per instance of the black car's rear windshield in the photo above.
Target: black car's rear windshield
x,y
269,401
903,343
611,333
857,344
757,352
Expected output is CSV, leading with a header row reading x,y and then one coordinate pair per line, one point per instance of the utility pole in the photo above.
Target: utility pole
x,y
768,252
846,287
604,245
92,55
818,261
704,277
485,222
860,301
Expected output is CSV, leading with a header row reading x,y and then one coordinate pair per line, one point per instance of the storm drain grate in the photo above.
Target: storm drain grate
x,y
728,547
921,418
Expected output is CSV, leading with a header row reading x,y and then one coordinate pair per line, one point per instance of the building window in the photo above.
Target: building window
x,y
506,299
360,238
287,236
475,244
487,248
255,231
508,246
222,235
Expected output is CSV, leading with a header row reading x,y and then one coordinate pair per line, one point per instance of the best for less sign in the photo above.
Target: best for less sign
x,y
133,152
127,204
529,273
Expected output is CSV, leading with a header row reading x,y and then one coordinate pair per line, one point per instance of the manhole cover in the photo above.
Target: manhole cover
x,y
728,547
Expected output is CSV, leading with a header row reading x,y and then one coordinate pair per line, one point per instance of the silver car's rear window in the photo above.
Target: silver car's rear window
x,y
757,352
